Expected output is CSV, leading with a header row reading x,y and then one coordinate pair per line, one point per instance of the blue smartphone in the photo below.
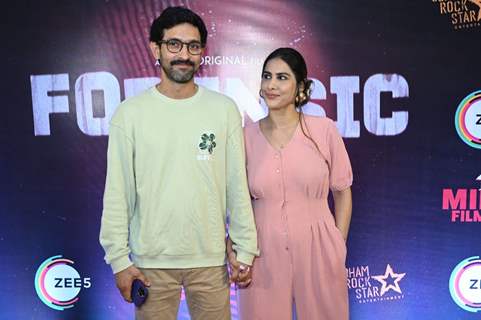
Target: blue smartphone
x,y
139,292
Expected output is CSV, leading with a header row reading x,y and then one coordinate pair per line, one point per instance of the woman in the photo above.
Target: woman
x,y
292,162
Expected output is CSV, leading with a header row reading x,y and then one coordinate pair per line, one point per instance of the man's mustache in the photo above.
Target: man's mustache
x,y
188,62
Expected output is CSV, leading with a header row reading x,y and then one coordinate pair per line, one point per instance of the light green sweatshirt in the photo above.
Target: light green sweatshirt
x,y
173,168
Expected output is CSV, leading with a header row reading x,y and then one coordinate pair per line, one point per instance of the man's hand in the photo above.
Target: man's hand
x,y
245,276
124,279
240,273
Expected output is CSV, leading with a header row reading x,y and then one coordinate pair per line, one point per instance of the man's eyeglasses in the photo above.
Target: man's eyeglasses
x,y
175,46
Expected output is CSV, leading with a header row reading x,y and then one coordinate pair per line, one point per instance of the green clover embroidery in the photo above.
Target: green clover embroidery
x,y
207,142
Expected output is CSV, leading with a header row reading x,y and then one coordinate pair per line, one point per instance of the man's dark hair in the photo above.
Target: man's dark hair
x,y
173,16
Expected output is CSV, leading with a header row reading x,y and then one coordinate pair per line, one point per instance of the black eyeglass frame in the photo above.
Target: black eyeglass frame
x,y
182,43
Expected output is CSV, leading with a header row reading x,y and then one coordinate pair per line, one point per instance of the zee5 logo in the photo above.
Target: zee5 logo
x,y
465,284
468,120
58,283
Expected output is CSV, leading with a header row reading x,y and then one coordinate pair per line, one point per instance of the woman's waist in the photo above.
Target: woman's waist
x,y
292,210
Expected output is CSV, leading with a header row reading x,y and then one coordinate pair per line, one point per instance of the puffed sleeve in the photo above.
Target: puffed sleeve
x,y
340,171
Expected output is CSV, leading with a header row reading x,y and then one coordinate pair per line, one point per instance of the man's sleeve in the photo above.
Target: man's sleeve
x,y
119,199
242,229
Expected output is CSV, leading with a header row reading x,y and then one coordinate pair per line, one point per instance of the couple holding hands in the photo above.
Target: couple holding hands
x,y
178,160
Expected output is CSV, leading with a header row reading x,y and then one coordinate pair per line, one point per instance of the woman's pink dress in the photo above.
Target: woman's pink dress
x,y
302,252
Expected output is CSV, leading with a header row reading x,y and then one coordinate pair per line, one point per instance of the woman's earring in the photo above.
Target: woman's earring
x,y
260,94
302,97
157,62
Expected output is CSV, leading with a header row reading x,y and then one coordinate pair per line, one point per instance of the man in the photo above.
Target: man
x,y
175,163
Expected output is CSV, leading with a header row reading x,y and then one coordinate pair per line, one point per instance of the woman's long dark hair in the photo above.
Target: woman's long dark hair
x,y
296,62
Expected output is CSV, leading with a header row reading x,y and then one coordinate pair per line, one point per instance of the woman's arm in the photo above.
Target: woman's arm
x,y
343,210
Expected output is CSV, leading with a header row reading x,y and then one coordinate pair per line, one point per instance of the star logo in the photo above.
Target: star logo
x,y
390,280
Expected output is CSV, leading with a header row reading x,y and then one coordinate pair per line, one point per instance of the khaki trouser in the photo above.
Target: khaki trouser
x,y
206,291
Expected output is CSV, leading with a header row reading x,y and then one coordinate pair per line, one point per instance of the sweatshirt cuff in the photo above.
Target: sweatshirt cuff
x,y
120,264
245,258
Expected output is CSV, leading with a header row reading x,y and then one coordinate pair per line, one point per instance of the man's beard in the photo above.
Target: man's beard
x,y
179,76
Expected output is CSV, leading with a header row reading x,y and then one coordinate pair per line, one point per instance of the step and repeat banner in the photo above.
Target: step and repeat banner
x,y
402,80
